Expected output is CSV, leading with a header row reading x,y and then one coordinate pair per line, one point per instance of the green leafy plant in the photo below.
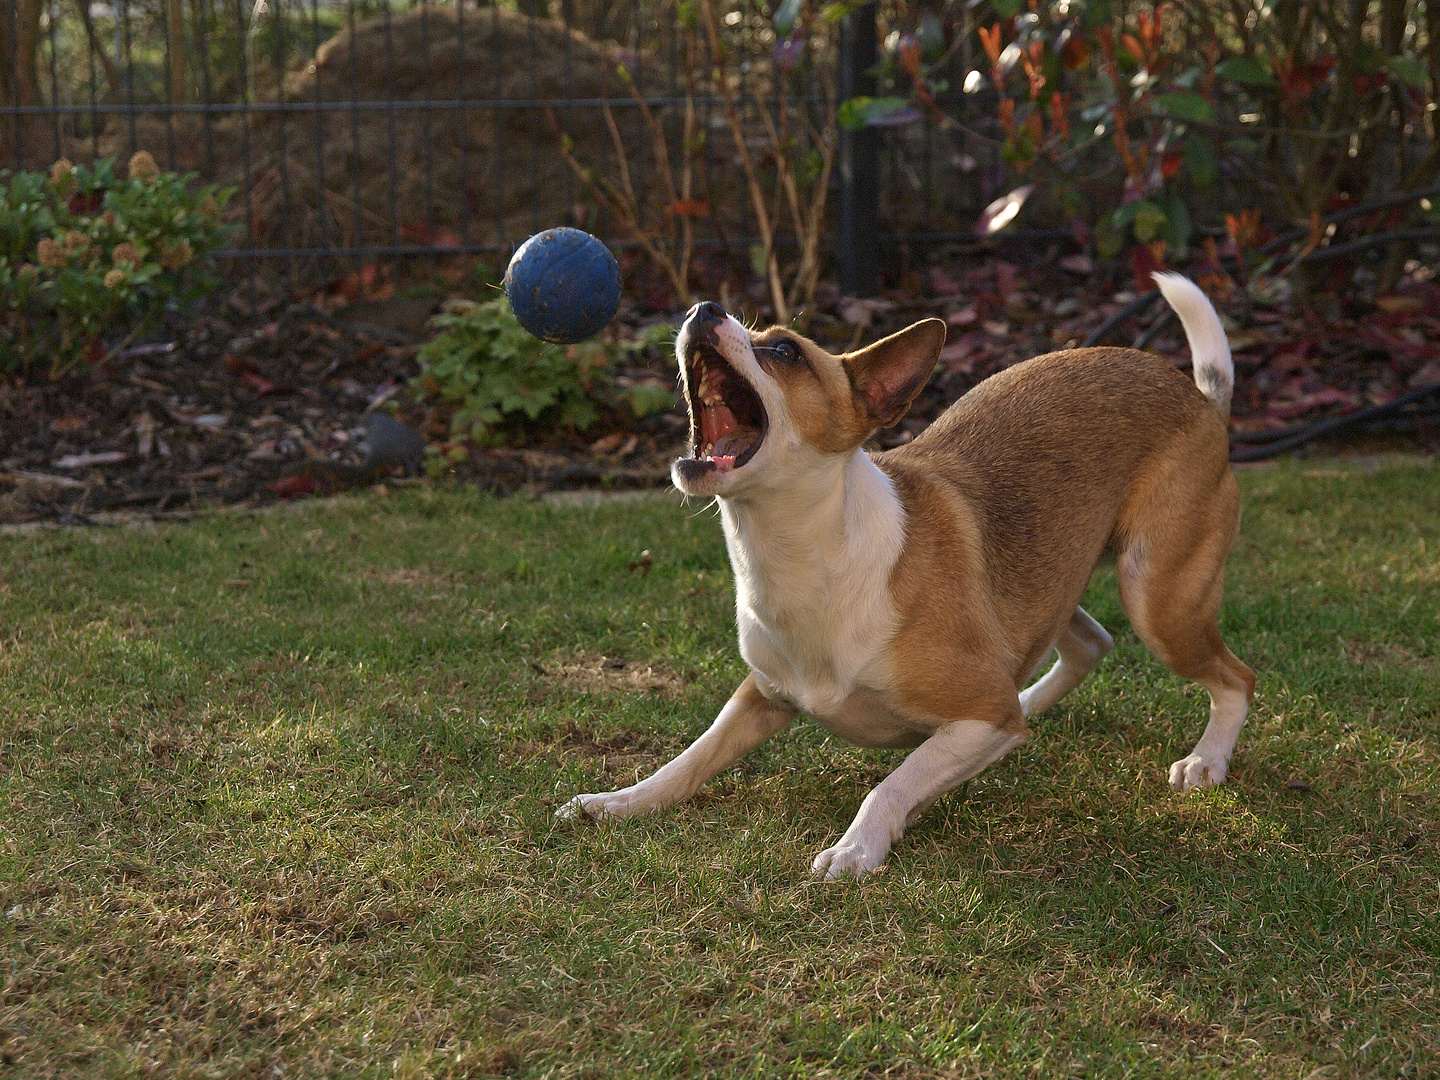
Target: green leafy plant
x,y
497,375
88,258
1147,125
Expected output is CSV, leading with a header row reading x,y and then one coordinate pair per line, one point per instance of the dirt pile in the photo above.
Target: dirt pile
x,y
397,172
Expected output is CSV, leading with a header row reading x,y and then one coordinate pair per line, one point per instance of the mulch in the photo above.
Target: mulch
x,y
257,397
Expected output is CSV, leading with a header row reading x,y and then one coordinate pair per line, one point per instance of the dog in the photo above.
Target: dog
x,y
905,598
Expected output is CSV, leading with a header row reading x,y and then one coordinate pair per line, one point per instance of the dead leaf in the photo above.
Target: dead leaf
x,y
941,283
1395,304
1002,211
81,461
144,425
1429,375
607,444
692,208
257,382
609,674
1288,410
295,486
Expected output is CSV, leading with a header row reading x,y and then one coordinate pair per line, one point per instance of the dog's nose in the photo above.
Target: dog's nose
x,y
707,309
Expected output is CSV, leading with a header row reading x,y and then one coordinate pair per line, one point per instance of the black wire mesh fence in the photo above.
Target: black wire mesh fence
x,y
365,129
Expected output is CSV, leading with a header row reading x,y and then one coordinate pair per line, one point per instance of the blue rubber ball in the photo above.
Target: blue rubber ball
x,y
563,285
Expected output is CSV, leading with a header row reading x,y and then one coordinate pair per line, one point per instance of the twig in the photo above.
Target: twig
x,y
747,164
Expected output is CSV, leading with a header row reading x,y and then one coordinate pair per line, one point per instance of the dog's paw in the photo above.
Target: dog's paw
x,y
1197,771
848,859
607,804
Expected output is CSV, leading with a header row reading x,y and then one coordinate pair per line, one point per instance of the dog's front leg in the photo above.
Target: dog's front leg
x,y
747,720
954,754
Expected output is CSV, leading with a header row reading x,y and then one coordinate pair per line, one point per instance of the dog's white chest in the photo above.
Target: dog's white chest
x,y
813,600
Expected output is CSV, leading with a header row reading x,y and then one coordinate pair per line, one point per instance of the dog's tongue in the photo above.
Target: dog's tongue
x,y
716,421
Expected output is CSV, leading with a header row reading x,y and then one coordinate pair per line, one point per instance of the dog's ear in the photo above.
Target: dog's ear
x,y
888,374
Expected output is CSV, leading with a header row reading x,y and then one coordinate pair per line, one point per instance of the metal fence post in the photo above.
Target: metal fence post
x,y
858,193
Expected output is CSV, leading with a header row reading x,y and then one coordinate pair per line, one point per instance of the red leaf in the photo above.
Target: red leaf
x,y
257,382
295,487
86,205
1170,164
941,283
1288,410
1144,261
1075,52
692,208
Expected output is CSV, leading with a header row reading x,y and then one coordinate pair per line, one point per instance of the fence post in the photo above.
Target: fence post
x,y
858,197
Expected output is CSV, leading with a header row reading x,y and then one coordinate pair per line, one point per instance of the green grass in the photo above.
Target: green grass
x,y
304,826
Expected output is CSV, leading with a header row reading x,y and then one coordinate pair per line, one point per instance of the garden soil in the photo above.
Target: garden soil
x,y
260,395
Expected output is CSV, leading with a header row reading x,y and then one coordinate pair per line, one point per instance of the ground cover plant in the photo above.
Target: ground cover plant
x,y
279,798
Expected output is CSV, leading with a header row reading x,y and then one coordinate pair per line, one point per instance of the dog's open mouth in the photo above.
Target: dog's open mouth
x,y
727,419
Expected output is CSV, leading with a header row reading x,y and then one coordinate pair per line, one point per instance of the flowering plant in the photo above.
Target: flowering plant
x,y
88,259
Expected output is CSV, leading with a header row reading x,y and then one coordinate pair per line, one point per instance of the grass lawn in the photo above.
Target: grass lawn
x,y
278,795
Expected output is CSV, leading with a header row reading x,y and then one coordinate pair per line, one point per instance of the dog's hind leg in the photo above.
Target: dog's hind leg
x,y
747,720
1082,644
1171,574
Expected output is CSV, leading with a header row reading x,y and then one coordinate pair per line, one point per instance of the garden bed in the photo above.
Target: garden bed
x,y
260,396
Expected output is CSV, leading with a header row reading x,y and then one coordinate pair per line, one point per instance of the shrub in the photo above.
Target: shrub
x,y
87,257
1149,122
497,375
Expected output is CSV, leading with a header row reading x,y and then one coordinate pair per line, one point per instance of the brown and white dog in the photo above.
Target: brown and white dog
x,y
905,598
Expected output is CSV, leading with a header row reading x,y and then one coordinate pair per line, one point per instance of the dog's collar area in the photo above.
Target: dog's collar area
x,y
727,419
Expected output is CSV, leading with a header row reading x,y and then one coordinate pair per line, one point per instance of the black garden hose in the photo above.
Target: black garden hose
x,y
1267,444
1264,445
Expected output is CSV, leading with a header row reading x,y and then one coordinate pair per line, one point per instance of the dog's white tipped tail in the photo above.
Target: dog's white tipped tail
x,y
1209,351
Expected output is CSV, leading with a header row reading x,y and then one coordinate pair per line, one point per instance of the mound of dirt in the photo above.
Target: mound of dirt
x,y
394,171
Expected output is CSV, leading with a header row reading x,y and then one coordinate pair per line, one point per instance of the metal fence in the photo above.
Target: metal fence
x,y
369,129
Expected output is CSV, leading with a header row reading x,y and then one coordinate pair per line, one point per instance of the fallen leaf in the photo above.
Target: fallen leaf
x,y
1288,410
257,382
941,283
81,461
295,486
960,355
1395,304
43,479
67,425
692,208
1077,264
1429,375
608,444
237,583
1002,211
144,425
644,563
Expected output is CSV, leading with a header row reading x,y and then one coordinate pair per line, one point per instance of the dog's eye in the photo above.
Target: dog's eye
x,y
787,351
